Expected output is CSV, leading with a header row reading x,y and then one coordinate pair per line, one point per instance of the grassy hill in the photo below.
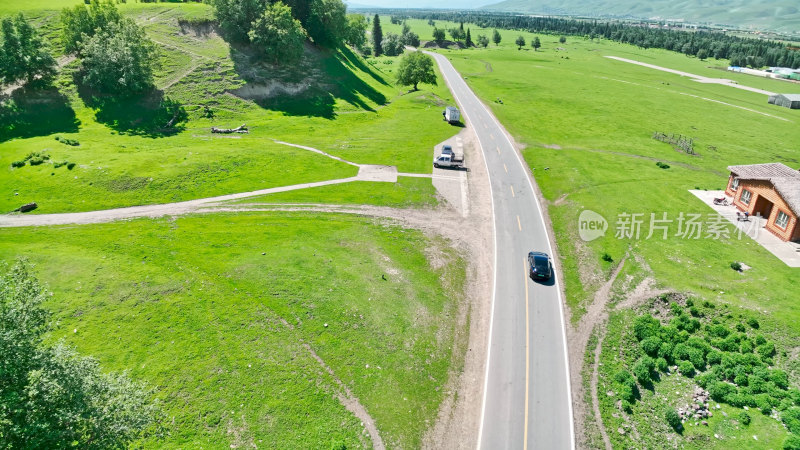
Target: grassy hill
x,y
778,15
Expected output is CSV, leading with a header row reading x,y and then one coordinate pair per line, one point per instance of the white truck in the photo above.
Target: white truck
x,y
449,158
451,114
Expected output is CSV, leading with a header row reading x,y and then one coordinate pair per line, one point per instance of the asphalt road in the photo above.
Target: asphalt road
x,y
527,397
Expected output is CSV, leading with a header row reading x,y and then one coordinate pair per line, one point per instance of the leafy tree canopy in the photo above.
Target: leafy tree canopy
x,y
50,397
414,68
81,22
24,55
277,36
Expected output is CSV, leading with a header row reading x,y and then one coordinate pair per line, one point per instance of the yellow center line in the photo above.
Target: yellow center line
x,y
504,167
527,351
519,224
512,191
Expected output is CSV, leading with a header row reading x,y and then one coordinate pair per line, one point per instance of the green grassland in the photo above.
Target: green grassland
x,y
590,120
347,106
215,311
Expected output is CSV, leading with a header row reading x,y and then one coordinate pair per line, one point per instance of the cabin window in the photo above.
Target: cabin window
x,y
782,220
735,184
746,195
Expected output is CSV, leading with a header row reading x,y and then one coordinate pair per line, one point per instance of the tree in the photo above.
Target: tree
x,y
438,35
469,42
79,22
702,54
536,43
277,36
355,31
236,17
562,39
414,68
118,60
24,55
457,34
483,41
50,397
327,22
410,38
520,42
496,37
392,45
377,36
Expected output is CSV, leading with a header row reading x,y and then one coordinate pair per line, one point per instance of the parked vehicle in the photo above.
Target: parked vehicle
x,y
451,114
449,158
540,267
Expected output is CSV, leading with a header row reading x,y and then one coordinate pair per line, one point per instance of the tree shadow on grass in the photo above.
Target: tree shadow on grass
x,y
309,88
30,113
149,114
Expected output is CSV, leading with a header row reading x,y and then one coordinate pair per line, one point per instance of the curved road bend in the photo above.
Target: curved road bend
x,y
527,398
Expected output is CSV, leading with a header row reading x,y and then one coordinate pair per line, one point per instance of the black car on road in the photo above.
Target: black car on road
x,y
539,266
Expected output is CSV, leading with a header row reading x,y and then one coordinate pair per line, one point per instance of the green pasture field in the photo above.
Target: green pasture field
x,y
215,310
126,156
589,121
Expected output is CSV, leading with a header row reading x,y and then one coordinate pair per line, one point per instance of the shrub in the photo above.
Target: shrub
x,y
753,323
791,418
645,326
662,365
706,379
71,166
623,377
627,407
740,327
718,331
37,158
736,266
17,163
67,141
686,368
665,351
747,346
780,378
651,345
626,393
673,419
607,258
792,442
713,357
744,418
662,165
643,368
766,350
760,340
764,403
694,311
720,390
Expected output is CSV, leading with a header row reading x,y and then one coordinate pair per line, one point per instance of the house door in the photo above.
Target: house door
x,y
763,207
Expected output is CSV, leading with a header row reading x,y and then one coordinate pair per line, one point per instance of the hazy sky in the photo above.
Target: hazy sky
x,y
423,3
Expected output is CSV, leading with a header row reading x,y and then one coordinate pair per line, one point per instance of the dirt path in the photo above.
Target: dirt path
x,y
458,417
698,78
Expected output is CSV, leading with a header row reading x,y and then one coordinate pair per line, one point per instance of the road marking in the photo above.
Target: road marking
x,y
498,150
504,167
519,224
512,191
485,127
491,136
527,352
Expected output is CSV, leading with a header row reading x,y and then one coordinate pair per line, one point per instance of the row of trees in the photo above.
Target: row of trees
x,y
391,44
277,31
739,50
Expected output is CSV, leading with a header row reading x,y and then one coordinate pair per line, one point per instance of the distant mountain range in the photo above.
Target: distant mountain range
x,y
778,15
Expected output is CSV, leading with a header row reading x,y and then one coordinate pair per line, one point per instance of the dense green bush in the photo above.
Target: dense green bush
x,y
651,345
792,442
673,419
744,418
67,141
753,322
791,418
643,369
686,368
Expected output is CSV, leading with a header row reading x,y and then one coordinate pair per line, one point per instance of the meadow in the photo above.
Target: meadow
x,y
586,124
216,312
126,155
